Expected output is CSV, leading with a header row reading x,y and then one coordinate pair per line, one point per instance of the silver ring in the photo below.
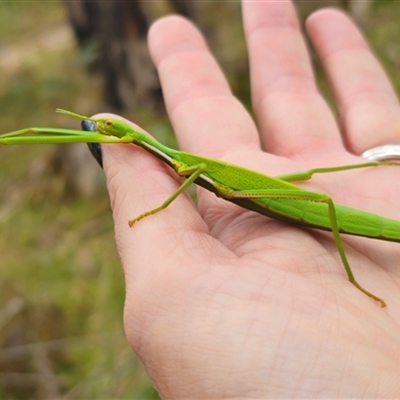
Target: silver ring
x,y
383,153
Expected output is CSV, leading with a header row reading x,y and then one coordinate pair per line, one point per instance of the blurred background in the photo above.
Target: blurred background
x,y
61,285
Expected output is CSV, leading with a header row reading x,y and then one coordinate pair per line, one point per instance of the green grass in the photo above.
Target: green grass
x,y
61,286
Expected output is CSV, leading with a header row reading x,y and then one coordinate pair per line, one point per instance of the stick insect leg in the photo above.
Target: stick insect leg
x,y
303,176
50,135
192,172
319,198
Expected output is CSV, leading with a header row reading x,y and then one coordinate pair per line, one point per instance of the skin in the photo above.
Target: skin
x,y
225,303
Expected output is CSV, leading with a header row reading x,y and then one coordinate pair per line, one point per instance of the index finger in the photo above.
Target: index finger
x,y
202,109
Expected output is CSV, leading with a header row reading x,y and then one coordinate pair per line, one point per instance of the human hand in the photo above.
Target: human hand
x,y
222,302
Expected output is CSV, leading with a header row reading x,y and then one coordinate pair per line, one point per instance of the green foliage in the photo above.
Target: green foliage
x,y
61,286
384,3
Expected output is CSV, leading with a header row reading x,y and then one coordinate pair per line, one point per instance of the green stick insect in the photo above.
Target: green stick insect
x,y
275,197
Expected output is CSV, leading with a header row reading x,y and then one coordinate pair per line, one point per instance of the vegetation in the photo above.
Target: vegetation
x,y
61,286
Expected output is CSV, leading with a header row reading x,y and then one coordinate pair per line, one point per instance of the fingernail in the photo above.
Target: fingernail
x,y
95,149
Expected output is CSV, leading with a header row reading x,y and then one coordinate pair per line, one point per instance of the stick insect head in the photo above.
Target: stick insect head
x,y
104,126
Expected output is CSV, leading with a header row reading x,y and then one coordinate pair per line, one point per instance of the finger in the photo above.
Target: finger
x,y
206,117
291,113
138,182
368,107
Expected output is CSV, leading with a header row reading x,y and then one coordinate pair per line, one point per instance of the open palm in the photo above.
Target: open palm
x,y
222,302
